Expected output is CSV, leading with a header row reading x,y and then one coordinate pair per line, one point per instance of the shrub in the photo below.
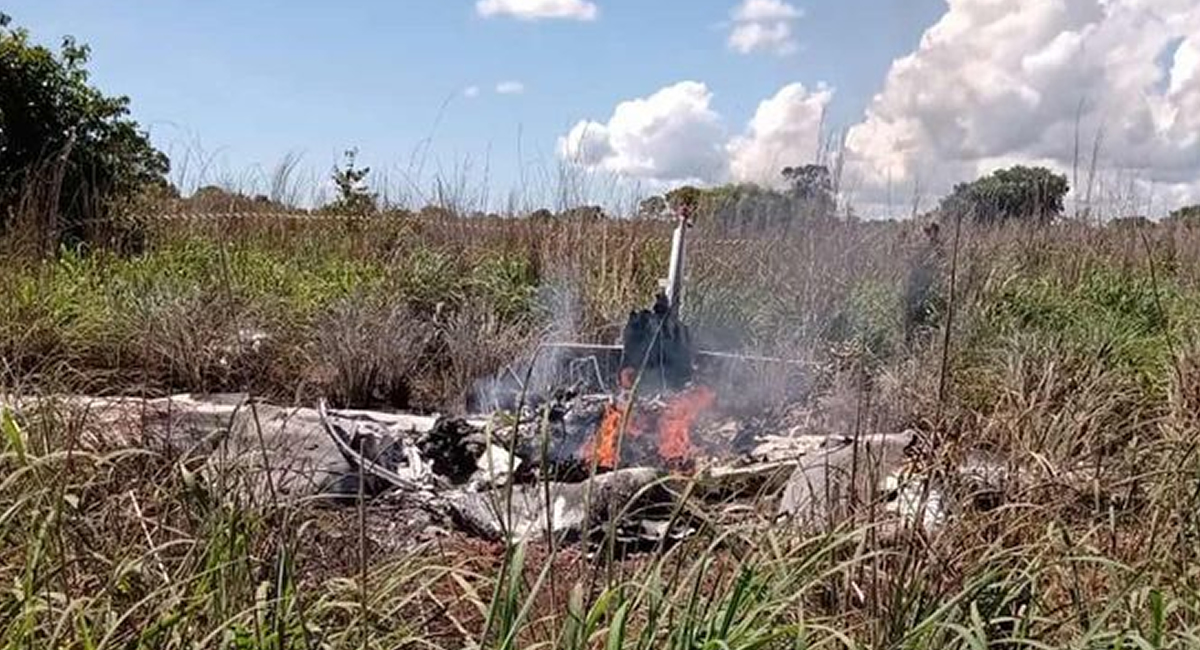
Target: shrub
x,y
507,283
369,353
68,152
354,198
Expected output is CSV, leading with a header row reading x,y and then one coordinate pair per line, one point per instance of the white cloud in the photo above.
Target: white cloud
x,y
785,130
471,92
671,136
991,84
674,136
538,9
1000,82
764,25
510,88
1185,68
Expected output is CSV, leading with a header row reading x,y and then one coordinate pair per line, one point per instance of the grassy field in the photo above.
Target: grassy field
x,y
1069,350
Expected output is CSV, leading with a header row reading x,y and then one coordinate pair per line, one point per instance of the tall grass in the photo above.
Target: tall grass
x,y
1072,360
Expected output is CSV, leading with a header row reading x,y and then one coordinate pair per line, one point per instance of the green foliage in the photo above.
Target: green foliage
x,y
507,282
1132,223
1188,215
746,207
429,277
354,198
654,207
812,187
65,146
751,208
1023,193
686,197
742,207
211,198
1112,316
868,321
14,439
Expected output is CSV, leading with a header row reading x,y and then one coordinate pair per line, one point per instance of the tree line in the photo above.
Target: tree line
x,y
71,156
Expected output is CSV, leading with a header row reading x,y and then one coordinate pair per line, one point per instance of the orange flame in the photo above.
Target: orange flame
x,y
675,422
601,448
673,426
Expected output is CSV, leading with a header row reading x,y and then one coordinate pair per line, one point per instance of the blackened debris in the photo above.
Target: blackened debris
x,y
452,446
657,343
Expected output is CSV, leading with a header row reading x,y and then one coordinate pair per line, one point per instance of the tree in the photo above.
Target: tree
x,y
744,207
1188,215
811,189
810,184
584,213
213,198
68,152
686,198
1029,193
751,208
354,197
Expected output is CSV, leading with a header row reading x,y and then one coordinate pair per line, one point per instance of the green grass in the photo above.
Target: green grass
x,y
1072,353
1114,315
202,569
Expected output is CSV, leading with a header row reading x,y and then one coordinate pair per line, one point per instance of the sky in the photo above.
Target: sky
x,y
525,101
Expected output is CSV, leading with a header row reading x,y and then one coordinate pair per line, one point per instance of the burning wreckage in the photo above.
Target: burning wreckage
x,y
585,461
639,460
583,465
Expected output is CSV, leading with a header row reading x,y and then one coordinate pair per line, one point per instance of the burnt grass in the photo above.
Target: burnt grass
x,y
1071,350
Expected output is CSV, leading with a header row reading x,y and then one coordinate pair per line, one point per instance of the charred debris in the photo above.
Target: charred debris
x,y
625,430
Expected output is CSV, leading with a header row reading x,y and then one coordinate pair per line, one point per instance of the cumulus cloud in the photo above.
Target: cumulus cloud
x,y
673,135
538,9
510,88
785,130
1038,81
991,84
764,26
471,92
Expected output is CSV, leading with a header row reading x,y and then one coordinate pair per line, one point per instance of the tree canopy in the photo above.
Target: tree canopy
x,y
811,185
67,150
1031,193
1188,215
746,207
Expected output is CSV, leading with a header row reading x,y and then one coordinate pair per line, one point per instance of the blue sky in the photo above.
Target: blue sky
x,y
251,81
978,84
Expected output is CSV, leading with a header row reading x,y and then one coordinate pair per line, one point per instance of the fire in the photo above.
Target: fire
x,y
602,448
672,424
675,423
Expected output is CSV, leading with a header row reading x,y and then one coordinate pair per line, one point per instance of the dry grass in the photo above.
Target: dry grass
x,y
1071,356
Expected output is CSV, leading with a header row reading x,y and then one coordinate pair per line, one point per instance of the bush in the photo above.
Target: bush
x,y
368,353
354,198
68,152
